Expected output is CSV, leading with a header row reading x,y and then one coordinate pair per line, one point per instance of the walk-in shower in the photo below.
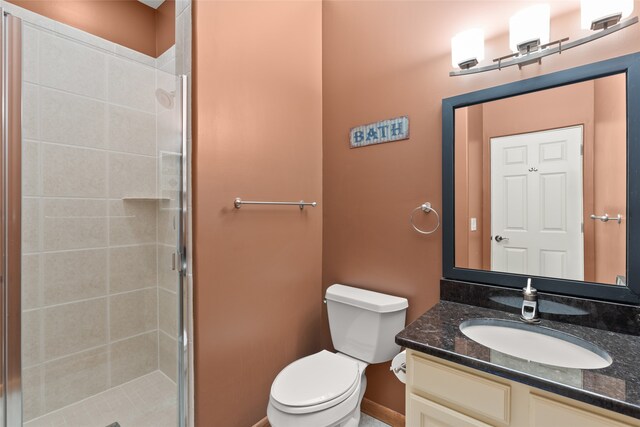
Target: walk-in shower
x,y
92,236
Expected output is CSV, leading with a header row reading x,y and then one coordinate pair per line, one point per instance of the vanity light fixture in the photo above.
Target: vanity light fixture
x,y
529,29
467,48
600,15
529,35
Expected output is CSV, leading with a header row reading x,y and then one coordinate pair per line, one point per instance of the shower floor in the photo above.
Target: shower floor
x,y
148,401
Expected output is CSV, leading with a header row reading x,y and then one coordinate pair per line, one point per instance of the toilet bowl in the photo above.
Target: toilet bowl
x,y
325,389
321,390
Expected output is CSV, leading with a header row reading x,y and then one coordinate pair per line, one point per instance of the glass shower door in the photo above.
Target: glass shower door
x,y
92,195
11,208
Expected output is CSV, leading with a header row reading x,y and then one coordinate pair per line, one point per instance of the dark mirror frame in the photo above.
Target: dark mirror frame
x,y
629,65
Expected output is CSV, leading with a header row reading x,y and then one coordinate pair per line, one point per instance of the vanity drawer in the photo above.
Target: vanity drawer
x,y
425,413
545,412
466,392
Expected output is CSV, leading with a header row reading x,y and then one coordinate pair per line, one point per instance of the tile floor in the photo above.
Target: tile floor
x,y
367,421
148,401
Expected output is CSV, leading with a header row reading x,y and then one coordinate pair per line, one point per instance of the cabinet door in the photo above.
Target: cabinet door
x,y
545,412
425,413
472,394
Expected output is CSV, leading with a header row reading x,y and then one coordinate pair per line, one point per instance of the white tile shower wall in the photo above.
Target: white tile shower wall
x,y
94,316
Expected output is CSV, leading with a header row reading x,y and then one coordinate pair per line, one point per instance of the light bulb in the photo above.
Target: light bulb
x,y
592,10
466,46
530,24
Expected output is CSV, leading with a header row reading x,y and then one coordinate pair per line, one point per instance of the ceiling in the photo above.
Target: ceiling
x,y
152,3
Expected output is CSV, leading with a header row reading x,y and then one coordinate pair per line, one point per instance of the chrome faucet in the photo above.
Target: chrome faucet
x,y
530,311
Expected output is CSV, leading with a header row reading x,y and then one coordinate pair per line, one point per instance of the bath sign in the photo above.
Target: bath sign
x,y
379,132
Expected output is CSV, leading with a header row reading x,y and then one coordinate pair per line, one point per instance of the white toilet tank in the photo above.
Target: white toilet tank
x,y
364,323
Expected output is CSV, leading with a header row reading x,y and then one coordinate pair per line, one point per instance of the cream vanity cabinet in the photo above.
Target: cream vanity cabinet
x,y
445,394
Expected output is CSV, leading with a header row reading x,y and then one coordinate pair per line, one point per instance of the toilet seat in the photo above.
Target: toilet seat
x,y
315,382
329,417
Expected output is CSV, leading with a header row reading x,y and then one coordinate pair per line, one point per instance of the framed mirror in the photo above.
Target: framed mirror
x,y
541,179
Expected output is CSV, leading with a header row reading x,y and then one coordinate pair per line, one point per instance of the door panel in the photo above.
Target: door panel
x,y
553,202
553,151
553,263
515,202
516,259
515,155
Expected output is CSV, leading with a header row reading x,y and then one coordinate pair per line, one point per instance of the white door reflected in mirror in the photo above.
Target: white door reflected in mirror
x,y
536,216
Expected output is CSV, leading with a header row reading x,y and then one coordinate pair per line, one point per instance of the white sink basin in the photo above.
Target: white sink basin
x,y
536,343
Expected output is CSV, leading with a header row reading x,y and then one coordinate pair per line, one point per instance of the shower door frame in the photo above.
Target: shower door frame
x,y
183,289
10,233
11,196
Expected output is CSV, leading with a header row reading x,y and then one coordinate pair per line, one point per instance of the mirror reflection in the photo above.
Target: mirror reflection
x,y
540,183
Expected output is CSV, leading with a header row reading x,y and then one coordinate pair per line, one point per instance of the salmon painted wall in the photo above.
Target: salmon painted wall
x,y
469,168
165,31
258,135
462,190
610,178
380,61
474,185
126,22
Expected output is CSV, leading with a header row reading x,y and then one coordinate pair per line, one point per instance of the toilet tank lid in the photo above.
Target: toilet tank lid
x,y
369,300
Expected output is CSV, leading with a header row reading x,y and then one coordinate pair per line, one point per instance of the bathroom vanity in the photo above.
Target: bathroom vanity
x,y
441,393
454,381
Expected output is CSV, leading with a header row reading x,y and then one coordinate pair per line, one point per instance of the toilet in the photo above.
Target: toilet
x,y
325,389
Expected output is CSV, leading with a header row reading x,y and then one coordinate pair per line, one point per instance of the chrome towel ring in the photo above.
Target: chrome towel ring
x,y
426,208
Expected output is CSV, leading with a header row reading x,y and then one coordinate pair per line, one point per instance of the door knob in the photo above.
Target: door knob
x,y
500,239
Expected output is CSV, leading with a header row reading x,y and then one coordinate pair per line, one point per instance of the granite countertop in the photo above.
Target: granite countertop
x,y
616,387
